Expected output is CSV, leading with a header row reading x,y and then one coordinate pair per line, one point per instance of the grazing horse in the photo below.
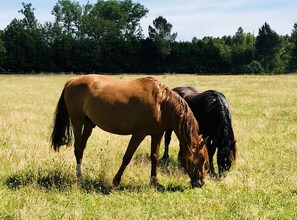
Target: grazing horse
x,y
211,110
139,108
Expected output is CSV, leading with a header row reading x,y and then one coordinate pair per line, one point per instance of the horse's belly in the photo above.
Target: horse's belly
x,y
122,120
115,125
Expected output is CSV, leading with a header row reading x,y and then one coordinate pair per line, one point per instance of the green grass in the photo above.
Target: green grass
x,y
38,183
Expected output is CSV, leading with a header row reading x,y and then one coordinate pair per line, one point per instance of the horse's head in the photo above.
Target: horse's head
x,y
226,156
196,162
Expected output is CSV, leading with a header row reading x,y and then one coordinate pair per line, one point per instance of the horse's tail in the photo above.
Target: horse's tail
x,y
61,134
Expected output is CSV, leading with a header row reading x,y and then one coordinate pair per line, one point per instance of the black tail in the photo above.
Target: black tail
x,y
61,134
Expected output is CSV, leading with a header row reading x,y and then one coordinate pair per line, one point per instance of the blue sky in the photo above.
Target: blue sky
x,y
190,18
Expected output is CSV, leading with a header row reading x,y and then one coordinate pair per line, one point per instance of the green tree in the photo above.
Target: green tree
x,y
68,17
161,35
267,48
114,19
104,21
25,48
132,13
17,45
2,51
29,21
292,65
161,30
242,49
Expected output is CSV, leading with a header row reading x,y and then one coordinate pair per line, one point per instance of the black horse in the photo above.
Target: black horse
x,y
211,110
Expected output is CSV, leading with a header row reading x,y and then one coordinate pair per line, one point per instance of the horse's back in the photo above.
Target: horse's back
x,y
117,106
207,107
184,91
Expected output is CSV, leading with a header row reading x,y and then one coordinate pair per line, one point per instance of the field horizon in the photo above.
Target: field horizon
x,y
38,183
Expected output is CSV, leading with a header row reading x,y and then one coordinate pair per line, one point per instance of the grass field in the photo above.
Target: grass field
x,y
38,183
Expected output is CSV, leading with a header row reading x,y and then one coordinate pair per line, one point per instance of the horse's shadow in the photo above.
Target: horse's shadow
x,y
61,181
56,181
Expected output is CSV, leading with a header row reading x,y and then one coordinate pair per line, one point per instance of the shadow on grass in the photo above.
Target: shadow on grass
x,y
57,180
168,166
48,180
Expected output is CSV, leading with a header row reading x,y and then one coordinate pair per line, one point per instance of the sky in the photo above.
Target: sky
x,y
189,18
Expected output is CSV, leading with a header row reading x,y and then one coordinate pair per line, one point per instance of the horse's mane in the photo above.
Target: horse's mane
x,y
175,110
218,107
178,111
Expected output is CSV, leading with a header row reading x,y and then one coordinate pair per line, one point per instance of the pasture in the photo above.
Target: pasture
x,y
38,183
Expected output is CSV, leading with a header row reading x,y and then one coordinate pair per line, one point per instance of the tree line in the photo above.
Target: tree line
x,y
107,37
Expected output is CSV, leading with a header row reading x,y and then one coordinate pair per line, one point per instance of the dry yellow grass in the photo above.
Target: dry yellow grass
x,y
38,183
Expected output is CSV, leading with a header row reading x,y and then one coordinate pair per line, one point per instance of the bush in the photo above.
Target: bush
x,y
254,67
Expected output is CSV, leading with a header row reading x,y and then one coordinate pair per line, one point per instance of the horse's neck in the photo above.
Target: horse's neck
x,y
181,119
186,132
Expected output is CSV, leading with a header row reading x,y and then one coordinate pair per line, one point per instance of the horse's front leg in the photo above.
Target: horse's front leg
x,y
155,147
135,140
211,147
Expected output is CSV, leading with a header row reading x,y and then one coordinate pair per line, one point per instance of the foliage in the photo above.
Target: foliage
x,y
162,37
267,48
293,50
254,67
2,50
107,37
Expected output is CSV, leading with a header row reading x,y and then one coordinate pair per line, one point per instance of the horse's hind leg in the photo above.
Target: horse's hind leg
x,y
167,139
135,140
81,134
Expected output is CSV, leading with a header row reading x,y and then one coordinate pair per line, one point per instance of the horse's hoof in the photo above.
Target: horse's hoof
x,y
79,178
212,174
160,188
165,160
115,182
222,175
197,184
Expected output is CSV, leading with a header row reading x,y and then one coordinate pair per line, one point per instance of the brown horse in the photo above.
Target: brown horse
x,y
138,107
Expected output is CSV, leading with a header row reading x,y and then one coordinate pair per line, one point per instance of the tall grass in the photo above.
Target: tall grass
x,y
38,183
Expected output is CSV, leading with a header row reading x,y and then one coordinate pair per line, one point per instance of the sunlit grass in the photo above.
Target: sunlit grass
x,y
38,183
